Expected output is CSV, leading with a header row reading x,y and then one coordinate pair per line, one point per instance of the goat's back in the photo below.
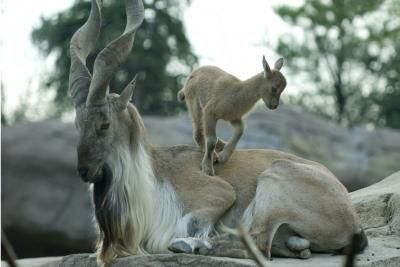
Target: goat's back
x,y
208,81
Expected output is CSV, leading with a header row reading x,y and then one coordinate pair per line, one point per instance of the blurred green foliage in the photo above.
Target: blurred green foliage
x,y
347,53
161,52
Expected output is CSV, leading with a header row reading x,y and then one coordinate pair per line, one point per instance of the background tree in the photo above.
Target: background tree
x,y
389,100
3,99
348,56
161,52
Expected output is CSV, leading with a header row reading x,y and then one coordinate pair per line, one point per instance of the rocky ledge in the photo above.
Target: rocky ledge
x,y
378,207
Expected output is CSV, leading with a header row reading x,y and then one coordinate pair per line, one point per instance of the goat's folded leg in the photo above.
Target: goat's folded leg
x,y
229,245
209,201
224,245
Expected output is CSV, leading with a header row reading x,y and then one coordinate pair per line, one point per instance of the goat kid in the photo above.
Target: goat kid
x,y
212,94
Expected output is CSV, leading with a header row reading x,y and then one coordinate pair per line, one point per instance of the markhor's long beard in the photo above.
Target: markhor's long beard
x,y
123,204
102,210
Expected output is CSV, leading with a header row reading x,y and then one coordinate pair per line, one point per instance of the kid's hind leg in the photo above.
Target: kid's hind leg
x,y
197,123
210,123
198,136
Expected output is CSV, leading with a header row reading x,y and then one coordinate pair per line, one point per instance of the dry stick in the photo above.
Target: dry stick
x,y
251,247
9,254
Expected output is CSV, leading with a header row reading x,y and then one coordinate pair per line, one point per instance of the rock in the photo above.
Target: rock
x,y
37,262
378,207
376,255
46,209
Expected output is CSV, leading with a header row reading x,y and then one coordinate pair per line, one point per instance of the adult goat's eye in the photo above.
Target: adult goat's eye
x,y
274,90
105,126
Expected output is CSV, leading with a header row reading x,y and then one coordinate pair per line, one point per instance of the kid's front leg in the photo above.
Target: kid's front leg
x,y
225,154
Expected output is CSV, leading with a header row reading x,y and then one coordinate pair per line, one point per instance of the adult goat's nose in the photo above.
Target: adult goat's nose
x,y
83,171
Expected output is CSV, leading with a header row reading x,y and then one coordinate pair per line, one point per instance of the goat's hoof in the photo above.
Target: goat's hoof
x,y
215,158
207,170
219,146
221,158
180,247
191,245
297,244
305,254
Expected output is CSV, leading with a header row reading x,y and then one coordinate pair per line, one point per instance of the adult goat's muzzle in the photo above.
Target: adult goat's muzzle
x,y
93,175
89,168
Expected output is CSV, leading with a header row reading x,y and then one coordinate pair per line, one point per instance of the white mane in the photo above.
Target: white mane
x,y
149,207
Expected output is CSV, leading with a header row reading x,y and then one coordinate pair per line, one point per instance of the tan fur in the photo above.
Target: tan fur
x,y
151,199
212,94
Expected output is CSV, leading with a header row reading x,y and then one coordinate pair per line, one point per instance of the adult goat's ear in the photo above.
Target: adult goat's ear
x,y
126,94
279,63
267,69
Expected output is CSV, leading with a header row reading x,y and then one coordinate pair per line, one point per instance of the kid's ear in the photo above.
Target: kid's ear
x,y
267,69
279,63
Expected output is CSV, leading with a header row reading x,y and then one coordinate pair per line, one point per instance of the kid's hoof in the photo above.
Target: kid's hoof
x,y
221,157
215,158
207,170
220,145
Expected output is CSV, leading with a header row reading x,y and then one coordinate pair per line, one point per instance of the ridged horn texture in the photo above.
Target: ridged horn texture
x,y
82,43
114,54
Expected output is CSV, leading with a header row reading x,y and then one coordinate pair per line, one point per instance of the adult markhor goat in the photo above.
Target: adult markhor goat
x,y
151,199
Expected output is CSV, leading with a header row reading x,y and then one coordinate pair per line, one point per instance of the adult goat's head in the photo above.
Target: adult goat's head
x,y
103,120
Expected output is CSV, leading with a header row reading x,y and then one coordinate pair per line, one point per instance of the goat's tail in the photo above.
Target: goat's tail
x,y
181,96
358,243
361,240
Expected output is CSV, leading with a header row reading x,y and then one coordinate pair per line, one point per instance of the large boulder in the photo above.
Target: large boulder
x,y
378,207
46,209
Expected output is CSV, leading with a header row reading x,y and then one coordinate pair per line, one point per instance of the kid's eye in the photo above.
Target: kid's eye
x,y
274,90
